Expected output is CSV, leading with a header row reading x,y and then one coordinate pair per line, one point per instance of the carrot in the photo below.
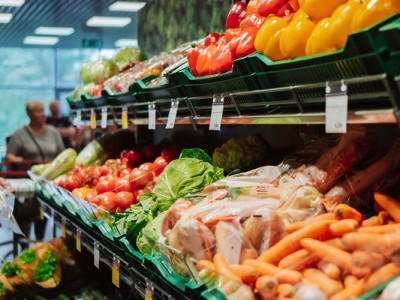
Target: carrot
x,y
205,264
328,285
328,253
343,226
381,275
381,228
330,269
380,243
384,216
344,211
246,273
222,268
291,242
336,242
372,221
248,253
391,205
298,225
298,260
349,292
267,286
282,275
285,290
350,280
363,259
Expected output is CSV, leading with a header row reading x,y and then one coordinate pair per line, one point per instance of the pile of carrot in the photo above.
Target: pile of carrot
x,y
340,253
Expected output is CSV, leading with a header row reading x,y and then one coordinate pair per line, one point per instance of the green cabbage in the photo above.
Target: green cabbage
x,y
80,90
98,71
126,56
183,176
149,234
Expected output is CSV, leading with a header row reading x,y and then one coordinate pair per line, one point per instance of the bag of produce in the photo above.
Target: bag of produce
x,y
98,71
80,90
63,163
15,275
48,272
126,56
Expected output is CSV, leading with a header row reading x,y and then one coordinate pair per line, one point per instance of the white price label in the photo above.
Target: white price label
x,y
96,255
172,114
217,112
78,119
104,116
336,107
152,116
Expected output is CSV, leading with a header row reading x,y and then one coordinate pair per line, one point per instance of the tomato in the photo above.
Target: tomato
x,y
82,175
172,152
90,197
159,165
106,177
149,152
155,179
109,201
127,199
122,185
133,157
141,192
71,183
105,185
112,165
77,168
125,172
147,166
139,178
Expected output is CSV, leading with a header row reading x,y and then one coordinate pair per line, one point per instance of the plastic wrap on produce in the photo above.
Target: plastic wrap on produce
x,y
7,201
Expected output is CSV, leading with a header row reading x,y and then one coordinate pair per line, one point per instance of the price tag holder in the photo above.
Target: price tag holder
x,y
173,111
104,116
336,108
52,219
152,116
96,255
78,240
115,272
63,231
217,112
93,119
78,119
124,118
41,212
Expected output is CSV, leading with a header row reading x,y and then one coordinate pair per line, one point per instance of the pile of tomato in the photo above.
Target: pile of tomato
x,y
117,184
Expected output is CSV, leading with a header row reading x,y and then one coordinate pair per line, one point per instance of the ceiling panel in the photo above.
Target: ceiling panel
x,y
70,13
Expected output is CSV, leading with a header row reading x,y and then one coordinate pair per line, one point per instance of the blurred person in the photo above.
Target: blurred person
x,y
35,142
62,123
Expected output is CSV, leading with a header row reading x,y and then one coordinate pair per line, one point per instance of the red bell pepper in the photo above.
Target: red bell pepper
x,y
212,69
290,7
252,6
289,18
192,57
253,20
236,15
246,43
224,61
269,7
212,39
231,33
204,59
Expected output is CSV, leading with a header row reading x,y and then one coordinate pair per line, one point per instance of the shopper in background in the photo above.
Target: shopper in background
x,y
35,142
63,124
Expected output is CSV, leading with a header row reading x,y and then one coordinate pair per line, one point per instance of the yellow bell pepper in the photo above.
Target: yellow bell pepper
x,y
266,41
294,38
319,9
330,34
272,50
373,11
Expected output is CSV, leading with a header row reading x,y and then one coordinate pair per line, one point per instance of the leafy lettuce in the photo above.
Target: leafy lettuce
x,y
146,240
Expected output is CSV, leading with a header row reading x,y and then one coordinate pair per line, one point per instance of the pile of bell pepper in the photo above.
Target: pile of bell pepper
x,y
242,27
319,26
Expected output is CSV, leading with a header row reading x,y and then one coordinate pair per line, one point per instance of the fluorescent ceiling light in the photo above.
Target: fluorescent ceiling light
x,y
14,3
126,6
126,42
54,31
108,21
41,40
5,17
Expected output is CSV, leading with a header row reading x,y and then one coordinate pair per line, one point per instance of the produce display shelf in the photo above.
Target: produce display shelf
x,y
380,106
128,273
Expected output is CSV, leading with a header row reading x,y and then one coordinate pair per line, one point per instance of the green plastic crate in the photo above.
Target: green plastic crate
x,y
92,102
75,104
391,34
374,293
146,93
212,294
119,98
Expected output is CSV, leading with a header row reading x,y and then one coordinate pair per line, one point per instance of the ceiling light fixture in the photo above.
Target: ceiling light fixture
x,y
126,42
5,17
13,3
108,21
126,6
41,40
64,31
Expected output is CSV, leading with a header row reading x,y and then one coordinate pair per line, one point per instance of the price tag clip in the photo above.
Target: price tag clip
x,y
336,108
152,116
217,111
172,114
115,271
